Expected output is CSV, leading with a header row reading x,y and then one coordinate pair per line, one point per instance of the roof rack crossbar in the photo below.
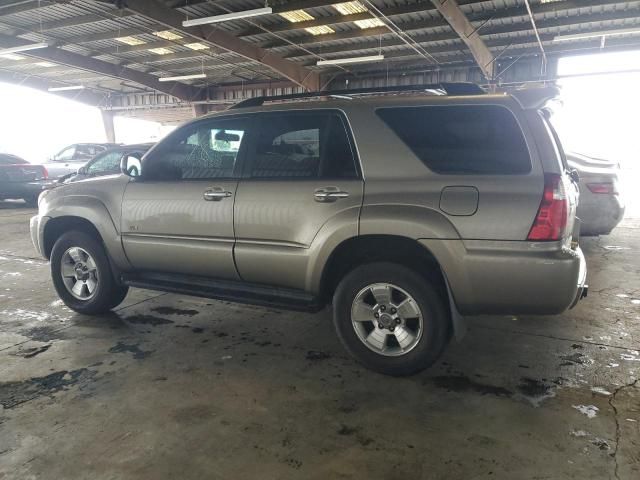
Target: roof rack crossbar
x,y
461,88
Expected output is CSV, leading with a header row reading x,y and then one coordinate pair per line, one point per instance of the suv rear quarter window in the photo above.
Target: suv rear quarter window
x,y
462,139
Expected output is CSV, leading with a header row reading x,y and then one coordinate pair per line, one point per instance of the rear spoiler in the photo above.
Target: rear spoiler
x,y
535,98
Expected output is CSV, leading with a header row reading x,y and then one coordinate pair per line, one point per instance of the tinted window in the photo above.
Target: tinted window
x,y
104,164
302,146
10,160
482,139
205,150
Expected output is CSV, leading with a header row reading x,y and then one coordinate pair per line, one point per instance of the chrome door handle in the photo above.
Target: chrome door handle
x,y
215,195
329,194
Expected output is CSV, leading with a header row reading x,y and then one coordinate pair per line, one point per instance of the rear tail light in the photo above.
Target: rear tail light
x,y
603,188
552,216
45,173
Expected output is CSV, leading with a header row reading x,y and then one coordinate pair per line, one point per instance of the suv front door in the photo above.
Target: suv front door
x,y
177,216
300,183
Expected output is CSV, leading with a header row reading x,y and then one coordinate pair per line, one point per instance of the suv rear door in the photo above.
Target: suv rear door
x,y
177,217
301,175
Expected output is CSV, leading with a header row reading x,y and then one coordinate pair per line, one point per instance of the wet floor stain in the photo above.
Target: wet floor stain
x,y
45,334
197,330
533,388
462,383
138,354
575,359
32,351
147,320
314,355
13,394
175,311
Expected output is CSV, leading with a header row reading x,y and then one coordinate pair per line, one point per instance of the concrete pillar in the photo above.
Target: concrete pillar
x,y
199,109
109,129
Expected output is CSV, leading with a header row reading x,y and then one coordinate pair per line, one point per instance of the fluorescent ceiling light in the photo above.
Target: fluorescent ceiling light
x,y
23,48
130,41
196,46
182,77
343,61
62,89
349,8
227,16
320,30
602,33
168,35
12,56
160,51
295,16
369,23
45,64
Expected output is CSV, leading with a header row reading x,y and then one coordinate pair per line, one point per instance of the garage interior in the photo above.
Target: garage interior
x,y
170,386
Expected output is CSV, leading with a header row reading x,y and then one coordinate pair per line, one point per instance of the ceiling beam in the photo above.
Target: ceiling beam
x,y
460,24
157,12
74,60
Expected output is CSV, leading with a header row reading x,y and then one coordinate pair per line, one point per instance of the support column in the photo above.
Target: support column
x,y
109,129
200,109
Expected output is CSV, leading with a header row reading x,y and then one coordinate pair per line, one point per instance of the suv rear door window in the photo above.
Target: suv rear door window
x,y
298,145
469,139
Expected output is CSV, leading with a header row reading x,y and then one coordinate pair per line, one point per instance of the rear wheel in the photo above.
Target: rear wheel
x,y
390,318
82,275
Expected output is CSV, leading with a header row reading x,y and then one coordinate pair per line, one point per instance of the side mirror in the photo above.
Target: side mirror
x,y
82,171
131,166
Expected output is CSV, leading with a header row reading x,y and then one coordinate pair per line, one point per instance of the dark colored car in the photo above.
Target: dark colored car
x,y
20,179
108,162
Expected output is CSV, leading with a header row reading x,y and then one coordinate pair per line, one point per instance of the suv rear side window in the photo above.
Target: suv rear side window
x,y
302,146
469,139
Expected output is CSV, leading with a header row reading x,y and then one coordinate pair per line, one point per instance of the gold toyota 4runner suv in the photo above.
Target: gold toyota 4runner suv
x,y
404,210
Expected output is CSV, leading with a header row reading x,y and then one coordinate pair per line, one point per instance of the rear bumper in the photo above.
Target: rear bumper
x,y
24,190
506,277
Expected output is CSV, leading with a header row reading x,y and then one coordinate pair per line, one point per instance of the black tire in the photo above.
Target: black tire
x,y
108,293
32,201
436,318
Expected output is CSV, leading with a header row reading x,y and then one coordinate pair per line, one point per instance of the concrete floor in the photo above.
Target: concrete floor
x,y
176,387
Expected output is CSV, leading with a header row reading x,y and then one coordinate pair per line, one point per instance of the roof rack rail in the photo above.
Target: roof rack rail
x,y
462,88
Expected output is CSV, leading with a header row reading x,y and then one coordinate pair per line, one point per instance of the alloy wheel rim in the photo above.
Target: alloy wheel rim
x,y
387,319
79,273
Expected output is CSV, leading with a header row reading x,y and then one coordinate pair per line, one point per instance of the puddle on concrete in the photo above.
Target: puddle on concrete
x,y
138,354
32,351
16,393
461,383
175,311
575,359
147,320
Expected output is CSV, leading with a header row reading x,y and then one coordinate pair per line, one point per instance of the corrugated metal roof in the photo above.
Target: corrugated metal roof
x,y
501,23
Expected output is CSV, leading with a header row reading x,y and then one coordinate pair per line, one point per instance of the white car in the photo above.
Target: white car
x,y
71,158
601,205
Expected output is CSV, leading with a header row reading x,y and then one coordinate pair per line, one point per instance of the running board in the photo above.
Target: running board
x,y
239,292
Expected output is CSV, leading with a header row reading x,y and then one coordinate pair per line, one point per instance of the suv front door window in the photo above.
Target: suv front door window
x,y
177,217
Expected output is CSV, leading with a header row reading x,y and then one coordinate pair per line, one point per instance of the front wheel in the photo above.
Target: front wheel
x,y
82,275
391,319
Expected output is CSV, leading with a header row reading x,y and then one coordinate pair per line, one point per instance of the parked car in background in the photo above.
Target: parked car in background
x,y
71,158
601,205
20,179
449,206
108,163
